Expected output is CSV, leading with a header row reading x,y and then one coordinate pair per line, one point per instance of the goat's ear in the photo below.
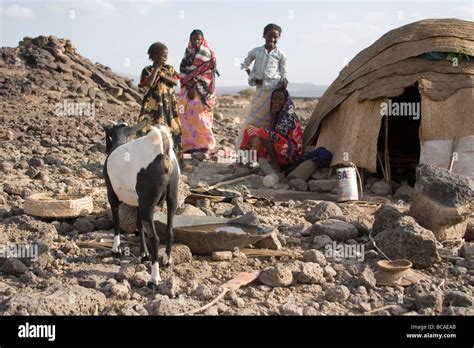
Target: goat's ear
x,y
106,129
134,129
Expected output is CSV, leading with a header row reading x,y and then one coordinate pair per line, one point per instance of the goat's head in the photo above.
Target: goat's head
x,y
120,133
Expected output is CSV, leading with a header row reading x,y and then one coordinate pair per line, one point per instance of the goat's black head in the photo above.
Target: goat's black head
x,y
120,133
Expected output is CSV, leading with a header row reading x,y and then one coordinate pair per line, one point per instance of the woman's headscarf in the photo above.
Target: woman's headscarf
x,y
200,64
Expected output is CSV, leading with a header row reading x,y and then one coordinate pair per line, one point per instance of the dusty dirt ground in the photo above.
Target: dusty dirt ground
x,y
43,152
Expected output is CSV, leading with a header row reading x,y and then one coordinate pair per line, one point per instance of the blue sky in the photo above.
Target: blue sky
x,y
319,37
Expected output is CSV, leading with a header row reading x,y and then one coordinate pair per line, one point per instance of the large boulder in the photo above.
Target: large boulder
x,y
405,239
441,201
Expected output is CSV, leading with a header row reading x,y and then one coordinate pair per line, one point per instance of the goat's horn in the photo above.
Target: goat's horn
x,y
113,122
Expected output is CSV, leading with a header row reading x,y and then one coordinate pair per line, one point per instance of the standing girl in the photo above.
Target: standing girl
x,y
197,96
159,104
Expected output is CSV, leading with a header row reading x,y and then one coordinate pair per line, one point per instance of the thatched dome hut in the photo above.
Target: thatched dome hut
x,y
422,76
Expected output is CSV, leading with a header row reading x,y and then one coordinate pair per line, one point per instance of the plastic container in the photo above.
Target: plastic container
x,y
347,184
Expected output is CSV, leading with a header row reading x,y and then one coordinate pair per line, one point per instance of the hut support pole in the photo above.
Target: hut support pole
x,y
386,155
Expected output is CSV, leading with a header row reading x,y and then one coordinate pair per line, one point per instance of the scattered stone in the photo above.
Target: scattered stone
x,y
432,300
366,278
290,309
385,216
203,203
320,242
42,176
103,224
320,174
457,299
180,253
249,218
381,188
405,239
311,273
338,293
321,185
404,193
271,242
164,306
170,287
189,209
203,292
83,225
329,271
469,236
277,276
140,279
314,256
13,266
467,250
125,272
335,229
441,201
200,156
84,173
88,283
64,300
298,184
221,256
323,211
36,162
458,270
241,208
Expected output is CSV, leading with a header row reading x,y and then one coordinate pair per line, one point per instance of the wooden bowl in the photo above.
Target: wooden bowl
x,y
394,266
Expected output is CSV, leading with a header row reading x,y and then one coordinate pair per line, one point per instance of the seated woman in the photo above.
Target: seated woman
x,y
282,142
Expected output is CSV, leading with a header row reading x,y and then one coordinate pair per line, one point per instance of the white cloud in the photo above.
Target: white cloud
x,y
145,7
99,8
17,12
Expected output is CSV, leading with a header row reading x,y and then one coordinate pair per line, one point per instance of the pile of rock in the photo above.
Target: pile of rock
x,y
52,67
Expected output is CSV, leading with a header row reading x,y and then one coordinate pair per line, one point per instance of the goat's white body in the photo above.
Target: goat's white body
x,y
124,163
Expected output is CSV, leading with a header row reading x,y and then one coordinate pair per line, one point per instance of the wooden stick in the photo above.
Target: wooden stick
x,y
197,310
451,161
232,177
223,183
387,159
379,309
381,163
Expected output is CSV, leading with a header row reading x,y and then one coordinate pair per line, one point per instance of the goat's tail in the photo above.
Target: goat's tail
x,y
156,138
167,140
161,136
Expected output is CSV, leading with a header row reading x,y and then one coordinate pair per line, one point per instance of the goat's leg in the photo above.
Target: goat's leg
x,y
139,223
144,254
114,206
155,241
171,204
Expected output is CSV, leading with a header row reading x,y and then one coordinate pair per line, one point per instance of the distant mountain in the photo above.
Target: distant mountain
x,y
301,90
295,89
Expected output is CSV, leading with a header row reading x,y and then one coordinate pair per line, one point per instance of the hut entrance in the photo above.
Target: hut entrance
x,y
398,144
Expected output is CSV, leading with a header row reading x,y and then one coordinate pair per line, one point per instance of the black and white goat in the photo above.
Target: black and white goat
x,y
142,173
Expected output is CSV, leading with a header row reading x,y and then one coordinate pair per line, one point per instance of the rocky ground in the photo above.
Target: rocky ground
x,y
46,151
